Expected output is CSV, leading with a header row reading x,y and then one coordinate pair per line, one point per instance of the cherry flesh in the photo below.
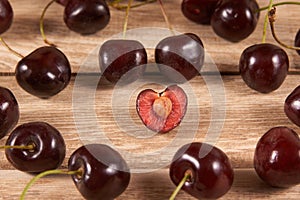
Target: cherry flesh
x,y
297,41
264,67
6,16
9,111
162,112
105,174
86,16
124,59
44,73
49,147
211,174
180,57
277,157
292,106
199,11
235,20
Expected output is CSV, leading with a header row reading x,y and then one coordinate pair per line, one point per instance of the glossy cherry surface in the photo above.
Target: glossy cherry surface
x,y
105,173
292,106
277,157
124,59
199,11
86,16
180,57
235,20
210,168
9,111
264,67
44,72
6,15
297,41
49,147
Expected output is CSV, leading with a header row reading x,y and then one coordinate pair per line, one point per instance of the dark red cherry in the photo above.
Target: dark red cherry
x,y
6,15
292,106
235,20
86,16
49,147
44,72
210,169
264,67
105,173
124,59
297,41
180,57
9,111
277,157
199,11
63,2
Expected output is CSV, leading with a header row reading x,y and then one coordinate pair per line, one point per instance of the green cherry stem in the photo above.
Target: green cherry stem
x,y
116,4
126,18
187,176
163,10
266,22
42,24
271,15
280,3
45,173
10,49
28,147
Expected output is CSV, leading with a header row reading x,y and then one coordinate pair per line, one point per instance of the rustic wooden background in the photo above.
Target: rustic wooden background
x,y
248,114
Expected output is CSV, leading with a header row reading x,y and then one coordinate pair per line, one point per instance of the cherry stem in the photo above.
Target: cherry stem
x,y
266,22
163,10
281,3
272,17
187,175
42,23
116,4
126,18
10,49
45,173
29,147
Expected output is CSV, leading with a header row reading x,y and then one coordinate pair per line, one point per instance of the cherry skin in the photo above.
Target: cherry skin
x,y
180,57
6,16
292,106
210,169
297,41
86,16
63,2
199,11
105,174
49,147
264,67
9,111
235,20
277,157
124,59
44,73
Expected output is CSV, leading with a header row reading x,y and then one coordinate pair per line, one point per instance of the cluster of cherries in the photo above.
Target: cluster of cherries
x,y
100,172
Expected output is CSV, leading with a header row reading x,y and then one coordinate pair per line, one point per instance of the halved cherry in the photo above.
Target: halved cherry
x,y
162,112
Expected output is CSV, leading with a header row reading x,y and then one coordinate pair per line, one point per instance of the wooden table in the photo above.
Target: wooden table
x,y
247,114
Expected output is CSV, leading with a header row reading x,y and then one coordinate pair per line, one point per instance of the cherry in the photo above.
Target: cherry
x,y
44,72
297,41
183,54
48,147
292,106
6,16
199,11
277,157
63,2
86,16
105,174
124,59
264,67
9,111
208,169
235,20
162,112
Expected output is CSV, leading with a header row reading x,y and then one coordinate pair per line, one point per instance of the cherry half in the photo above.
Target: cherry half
x,y
86,16
162,112
9,111
210,174
277,157
124,59
264,67
180,57
6,15
48,147
297,41
235,20
292,106
44,72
